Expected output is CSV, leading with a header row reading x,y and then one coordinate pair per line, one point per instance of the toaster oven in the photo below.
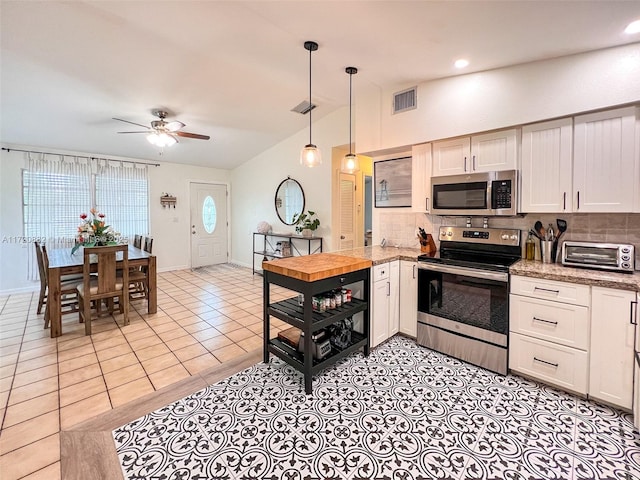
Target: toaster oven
x,y
604,256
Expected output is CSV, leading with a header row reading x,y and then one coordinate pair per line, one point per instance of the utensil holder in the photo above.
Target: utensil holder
x,y
546,249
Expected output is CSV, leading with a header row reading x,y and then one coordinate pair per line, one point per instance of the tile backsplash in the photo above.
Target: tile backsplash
x,y
400,228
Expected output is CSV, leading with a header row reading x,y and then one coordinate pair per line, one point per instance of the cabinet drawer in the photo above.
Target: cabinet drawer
x,y
551,290
556,322
380,272
550,363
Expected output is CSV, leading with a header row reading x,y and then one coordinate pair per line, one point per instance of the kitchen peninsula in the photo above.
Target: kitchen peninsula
x,y
313,275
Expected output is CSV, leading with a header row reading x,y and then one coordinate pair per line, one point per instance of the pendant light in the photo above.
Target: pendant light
x,y
310,155
350,162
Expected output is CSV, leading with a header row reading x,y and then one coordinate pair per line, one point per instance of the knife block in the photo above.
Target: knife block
x,y
427,245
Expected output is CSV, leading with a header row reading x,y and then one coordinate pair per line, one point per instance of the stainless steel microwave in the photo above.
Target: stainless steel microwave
x,y
619,257
485,194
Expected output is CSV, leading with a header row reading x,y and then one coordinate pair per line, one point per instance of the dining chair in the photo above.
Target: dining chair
x,y
68,285
138,278
106,285
148,244
137,241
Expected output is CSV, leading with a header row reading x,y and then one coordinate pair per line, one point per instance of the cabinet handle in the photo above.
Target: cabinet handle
x,y
426,204
473,163
388,289
545,321
578,200
564,201
633,320
465,164
545,362
546,290
413,268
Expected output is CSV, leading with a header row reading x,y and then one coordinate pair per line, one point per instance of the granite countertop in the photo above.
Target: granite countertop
x,y
584,276
378,254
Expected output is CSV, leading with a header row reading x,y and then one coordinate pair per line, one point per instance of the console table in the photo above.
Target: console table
x,y
266,246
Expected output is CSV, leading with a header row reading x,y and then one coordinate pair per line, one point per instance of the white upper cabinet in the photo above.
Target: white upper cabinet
x,y
494,151
451,157
421,178
605,162
546,167
481,153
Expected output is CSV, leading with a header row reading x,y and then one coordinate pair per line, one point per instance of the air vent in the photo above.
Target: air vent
x,y
405,100
303,107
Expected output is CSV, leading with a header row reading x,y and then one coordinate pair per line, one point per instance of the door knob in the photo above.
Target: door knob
x,y
342,237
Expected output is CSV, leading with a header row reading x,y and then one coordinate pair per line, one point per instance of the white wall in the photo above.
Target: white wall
x,y
169,227
500,98
255,183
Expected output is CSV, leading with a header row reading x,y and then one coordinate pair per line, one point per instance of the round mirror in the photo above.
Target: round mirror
x,y
289,200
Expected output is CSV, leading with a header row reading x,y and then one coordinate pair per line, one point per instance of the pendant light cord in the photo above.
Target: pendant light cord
x,y
310,105
350,90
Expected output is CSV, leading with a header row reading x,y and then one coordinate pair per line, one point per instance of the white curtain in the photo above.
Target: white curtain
x,y
56,190
122,195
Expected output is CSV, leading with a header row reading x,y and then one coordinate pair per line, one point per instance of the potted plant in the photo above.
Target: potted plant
x,y
306,223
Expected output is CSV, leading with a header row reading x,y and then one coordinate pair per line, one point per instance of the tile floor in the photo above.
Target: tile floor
x,y
404,412
204,318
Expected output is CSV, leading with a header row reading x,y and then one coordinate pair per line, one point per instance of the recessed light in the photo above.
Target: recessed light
x,y
633,27
461,63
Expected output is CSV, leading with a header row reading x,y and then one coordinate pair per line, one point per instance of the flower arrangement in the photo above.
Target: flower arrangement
x,y
94,230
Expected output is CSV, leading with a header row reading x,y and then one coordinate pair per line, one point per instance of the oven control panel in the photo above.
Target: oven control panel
x,y
495,236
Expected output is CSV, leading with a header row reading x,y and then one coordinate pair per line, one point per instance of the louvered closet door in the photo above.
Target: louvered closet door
x,y
347,211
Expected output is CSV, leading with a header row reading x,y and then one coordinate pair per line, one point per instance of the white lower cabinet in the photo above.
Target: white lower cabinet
x,y
409,298
385,314
556,364
612,338
549,331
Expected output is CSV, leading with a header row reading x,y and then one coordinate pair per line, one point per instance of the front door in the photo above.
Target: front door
x,y
209,229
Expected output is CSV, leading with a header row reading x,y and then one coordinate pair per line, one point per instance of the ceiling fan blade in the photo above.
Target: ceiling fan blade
x,y
146,131
132,123
174,126
192,135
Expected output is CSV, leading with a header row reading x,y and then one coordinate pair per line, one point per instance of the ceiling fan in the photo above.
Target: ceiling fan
x,y
162,133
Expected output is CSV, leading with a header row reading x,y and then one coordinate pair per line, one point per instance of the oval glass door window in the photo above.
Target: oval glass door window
x,y
209,214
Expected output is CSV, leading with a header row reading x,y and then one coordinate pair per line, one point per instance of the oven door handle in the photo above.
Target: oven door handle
x,y
468,272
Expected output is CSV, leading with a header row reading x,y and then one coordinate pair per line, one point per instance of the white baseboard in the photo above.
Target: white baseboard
x,y
173,268
17,291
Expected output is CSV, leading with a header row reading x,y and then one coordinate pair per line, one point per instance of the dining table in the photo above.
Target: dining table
x,y
63,262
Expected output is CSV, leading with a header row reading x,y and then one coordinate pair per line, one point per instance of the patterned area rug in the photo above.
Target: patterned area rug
x,y
403,413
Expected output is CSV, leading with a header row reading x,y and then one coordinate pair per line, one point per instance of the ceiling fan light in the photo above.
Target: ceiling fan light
x,y
167,140
350,163
152,138
310,156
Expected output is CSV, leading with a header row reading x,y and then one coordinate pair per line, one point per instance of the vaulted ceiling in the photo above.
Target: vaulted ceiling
x,y
234,69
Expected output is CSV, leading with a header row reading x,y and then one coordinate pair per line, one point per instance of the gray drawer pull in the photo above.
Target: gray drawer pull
x,y
545,321
548,363
547,290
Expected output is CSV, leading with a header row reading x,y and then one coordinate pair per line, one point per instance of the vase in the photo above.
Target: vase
x,y
307,232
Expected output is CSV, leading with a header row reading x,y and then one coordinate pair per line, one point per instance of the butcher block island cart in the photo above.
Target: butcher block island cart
x,y
314,276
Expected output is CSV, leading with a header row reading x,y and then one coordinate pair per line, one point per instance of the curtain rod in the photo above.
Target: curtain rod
x,y
80,156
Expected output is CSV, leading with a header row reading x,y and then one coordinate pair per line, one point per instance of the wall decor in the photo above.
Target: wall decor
x,y
392,179
168,200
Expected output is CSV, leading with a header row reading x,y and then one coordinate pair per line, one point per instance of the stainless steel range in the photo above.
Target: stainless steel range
x,y
463,295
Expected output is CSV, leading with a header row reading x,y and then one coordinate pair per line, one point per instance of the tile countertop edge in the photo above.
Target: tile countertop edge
x,y
380,255
583,276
